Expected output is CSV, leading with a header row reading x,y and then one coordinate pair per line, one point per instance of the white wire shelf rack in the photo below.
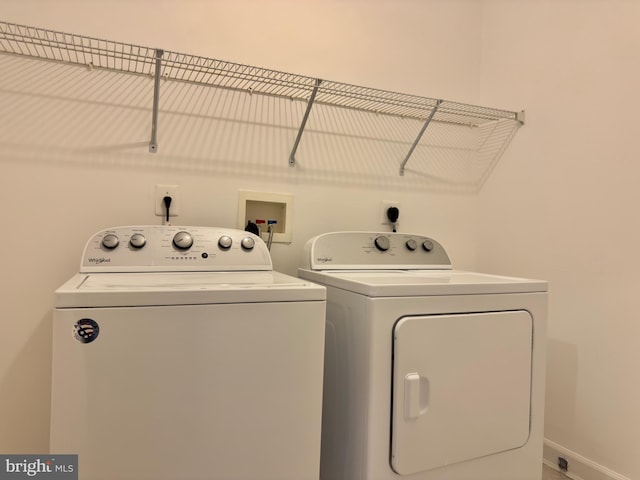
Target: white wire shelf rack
x,y
498,126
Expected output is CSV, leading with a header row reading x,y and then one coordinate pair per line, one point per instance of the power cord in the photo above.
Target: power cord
x,y
167,205
392,214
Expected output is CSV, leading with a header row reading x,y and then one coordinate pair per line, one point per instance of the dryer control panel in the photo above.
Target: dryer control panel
x,y
171,248
374,250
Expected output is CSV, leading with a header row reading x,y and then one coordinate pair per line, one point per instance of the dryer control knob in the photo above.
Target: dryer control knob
x,y
411,244
427,245
137,240
248,243
110,241
225,242
382,243
183,240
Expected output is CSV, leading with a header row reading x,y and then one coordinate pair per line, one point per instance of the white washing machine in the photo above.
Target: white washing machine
x,y
430,373
179,354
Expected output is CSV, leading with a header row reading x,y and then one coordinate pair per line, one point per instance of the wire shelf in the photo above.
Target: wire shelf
x,y
76,49
95,53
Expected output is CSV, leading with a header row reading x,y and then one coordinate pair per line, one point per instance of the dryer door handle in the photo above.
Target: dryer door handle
x,y
416,395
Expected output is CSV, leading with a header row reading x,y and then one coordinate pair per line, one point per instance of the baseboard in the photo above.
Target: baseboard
x,y
580,468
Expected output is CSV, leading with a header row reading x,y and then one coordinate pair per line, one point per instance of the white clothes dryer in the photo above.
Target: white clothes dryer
x,y
430,373
179,354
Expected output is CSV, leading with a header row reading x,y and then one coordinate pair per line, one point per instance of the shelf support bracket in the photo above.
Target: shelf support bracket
x,y
292,155
153,144
419,137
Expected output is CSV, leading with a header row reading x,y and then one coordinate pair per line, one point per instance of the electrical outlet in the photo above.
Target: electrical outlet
x,y
167,191
386,205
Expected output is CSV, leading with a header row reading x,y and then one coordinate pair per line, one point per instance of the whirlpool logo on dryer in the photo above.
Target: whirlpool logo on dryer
x,y
324,259
99,261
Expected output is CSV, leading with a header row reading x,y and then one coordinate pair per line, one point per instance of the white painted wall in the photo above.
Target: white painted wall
x,y
562,205
57,190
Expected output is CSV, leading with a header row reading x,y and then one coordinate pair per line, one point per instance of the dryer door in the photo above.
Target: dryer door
x,y
461,387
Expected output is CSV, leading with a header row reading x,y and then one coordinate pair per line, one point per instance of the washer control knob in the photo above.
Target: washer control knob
x,y
382,243
411,244
183,240
225,242
248,243
427,245
110,241
137,240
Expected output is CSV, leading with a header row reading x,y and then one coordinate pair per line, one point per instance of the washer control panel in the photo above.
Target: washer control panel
x,y
374,250
170,248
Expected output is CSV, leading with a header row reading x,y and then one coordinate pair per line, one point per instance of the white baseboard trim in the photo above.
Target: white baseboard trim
x,y
580,468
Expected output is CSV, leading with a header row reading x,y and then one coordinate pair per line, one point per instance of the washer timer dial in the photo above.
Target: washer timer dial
x,y
183,240
225,242
110,241
247,243
137,240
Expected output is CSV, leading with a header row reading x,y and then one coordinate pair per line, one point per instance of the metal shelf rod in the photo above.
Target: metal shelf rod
x,y
419,137
153,144
292,156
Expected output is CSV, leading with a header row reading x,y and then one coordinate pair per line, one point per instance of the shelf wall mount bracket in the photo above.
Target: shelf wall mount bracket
x,y
153,144
419,137
292,155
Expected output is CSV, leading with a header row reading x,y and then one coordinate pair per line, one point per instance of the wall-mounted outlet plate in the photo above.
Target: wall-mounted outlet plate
x,y
164,191
386,205
254,206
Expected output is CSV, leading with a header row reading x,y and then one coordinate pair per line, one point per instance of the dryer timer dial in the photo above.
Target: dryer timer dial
x,y
382,243
427,245
411,244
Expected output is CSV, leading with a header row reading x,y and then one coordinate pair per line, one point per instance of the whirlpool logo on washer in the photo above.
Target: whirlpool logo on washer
x,y
86,330
99,261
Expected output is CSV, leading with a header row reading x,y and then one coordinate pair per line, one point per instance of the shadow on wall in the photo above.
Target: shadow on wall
x,y
562,374
57,112
25,390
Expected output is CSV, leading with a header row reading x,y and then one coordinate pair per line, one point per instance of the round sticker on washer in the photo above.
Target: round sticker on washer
x,y
86,330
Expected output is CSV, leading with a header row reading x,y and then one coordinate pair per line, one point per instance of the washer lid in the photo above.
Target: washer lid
x,y
183,288
410,283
